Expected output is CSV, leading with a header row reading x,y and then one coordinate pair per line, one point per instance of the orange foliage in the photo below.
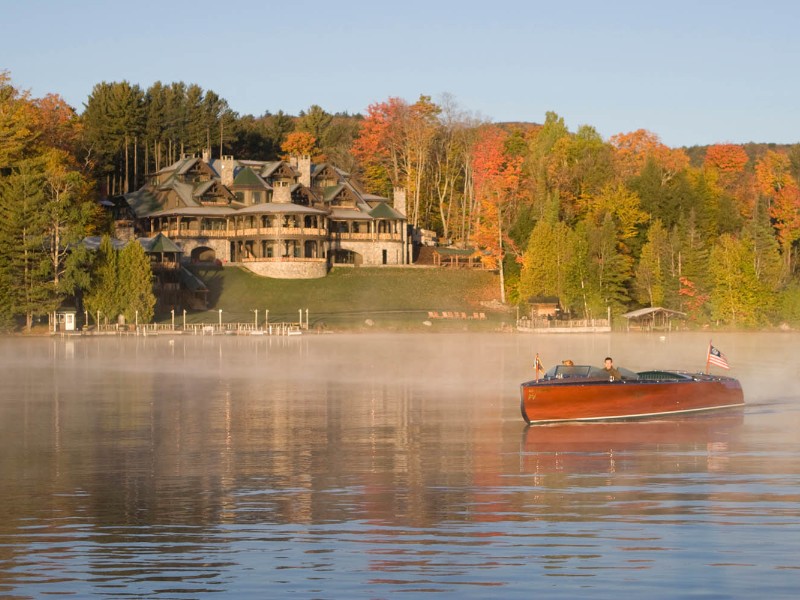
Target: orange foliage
x,y
634,149
58,123
299,143
726,158
785,209
496,177
773,172
694,298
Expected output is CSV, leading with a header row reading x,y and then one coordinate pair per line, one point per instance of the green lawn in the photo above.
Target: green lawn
x,y
391,298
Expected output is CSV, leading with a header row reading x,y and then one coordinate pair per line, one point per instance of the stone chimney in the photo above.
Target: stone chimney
x,y
281,191
303,165
399,197
206,155
226,170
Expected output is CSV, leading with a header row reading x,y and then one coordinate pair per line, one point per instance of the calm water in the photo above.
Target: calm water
x,y
370,466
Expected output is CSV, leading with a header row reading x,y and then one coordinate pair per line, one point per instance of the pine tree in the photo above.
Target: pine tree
x,y
135,284
104,294
25,276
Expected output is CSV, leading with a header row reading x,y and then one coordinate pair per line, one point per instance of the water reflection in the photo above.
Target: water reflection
x,y
367,466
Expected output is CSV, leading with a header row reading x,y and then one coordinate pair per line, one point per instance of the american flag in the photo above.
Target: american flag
x,y
538,364
715,357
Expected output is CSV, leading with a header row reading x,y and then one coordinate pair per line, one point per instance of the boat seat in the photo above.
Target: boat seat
x,y
662,376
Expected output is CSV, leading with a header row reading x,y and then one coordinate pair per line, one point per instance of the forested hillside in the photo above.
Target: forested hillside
x,y
622,222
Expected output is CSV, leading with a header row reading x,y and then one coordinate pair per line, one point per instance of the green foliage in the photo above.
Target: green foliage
x,y
546,261
26,289
788,304
650,282
104,294
738,298
135,284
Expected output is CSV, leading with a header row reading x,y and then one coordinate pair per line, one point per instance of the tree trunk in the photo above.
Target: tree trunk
x,y
126,187
500,252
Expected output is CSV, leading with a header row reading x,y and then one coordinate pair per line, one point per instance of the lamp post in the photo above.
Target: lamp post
x,y
256,318
220,318
173,318
184,319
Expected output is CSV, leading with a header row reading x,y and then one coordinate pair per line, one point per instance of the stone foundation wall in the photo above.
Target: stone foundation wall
x,y
372,252
288,269
221,247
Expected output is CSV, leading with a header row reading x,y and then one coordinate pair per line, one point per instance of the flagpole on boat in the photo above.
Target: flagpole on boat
x,y
708,356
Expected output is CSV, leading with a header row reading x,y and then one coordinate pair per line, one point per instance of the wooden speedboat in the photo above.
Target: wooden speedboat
x,y
586,393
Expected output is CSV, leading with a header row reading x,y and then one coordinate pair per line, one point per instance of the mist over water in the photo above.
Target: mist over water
x,y
382,465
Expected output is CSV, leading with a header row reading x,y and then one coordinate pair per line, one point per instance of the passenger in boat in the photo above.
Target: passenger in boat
x,y
568,363
611,370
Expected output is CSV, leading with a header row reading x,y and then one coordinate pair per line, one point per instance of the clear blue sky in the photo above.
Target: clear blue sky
x,y
693,72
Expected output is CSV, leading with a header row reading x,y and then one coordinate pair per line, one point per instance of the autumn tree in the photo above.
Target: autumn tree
x,y
496,179
17,122
728,159
394,147
635,149
299,143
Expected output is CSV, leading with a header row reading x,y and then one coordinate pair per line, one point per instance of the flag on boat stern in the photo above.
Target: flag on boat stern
x,y
715,357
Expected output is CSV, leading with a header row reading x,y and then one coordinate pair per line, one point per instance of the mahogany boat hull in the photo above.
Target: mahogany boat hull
x,y
596,399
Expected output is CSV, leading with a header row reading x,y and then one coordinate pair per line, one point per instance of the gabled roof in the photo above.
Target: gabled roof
x,y
246,177
159,243
202,188
384,211
143,202
270,168
186,166
330,192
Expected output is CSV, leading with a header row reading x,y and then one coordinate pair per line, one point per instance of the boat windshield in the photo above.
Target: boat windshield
x,y
573,371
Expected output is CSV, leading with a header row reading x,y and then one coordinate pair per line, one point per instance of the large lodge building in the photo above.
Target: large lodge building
x,y
285,219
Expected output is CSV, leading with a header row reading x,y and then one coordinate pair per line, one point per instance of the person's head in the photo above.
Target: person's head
x,y
609,362
568,363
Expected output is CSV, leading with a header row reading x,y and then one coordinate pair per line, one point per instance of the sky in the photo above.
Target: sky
x,y
693,72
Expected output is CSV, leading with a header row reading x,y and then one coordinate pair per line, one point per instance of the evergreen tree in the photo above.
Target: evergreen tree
x,y
546,261
26,288
104,294
135,284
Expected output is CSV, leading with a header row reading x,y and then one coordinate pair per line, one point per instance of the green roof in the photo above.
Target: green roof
x,y
384,211
454,251
248,177
329,193
161,243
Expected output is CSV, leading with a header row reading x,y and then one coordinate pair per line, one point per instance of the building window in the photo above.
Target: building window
x,y
256,197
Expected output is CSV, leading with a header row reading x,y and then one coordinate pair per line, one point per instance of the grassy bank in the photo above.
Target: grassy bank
x,y
390,298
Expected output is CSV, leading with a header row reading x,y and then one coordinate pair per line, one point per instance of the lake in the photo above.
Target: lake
x,y
376,466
